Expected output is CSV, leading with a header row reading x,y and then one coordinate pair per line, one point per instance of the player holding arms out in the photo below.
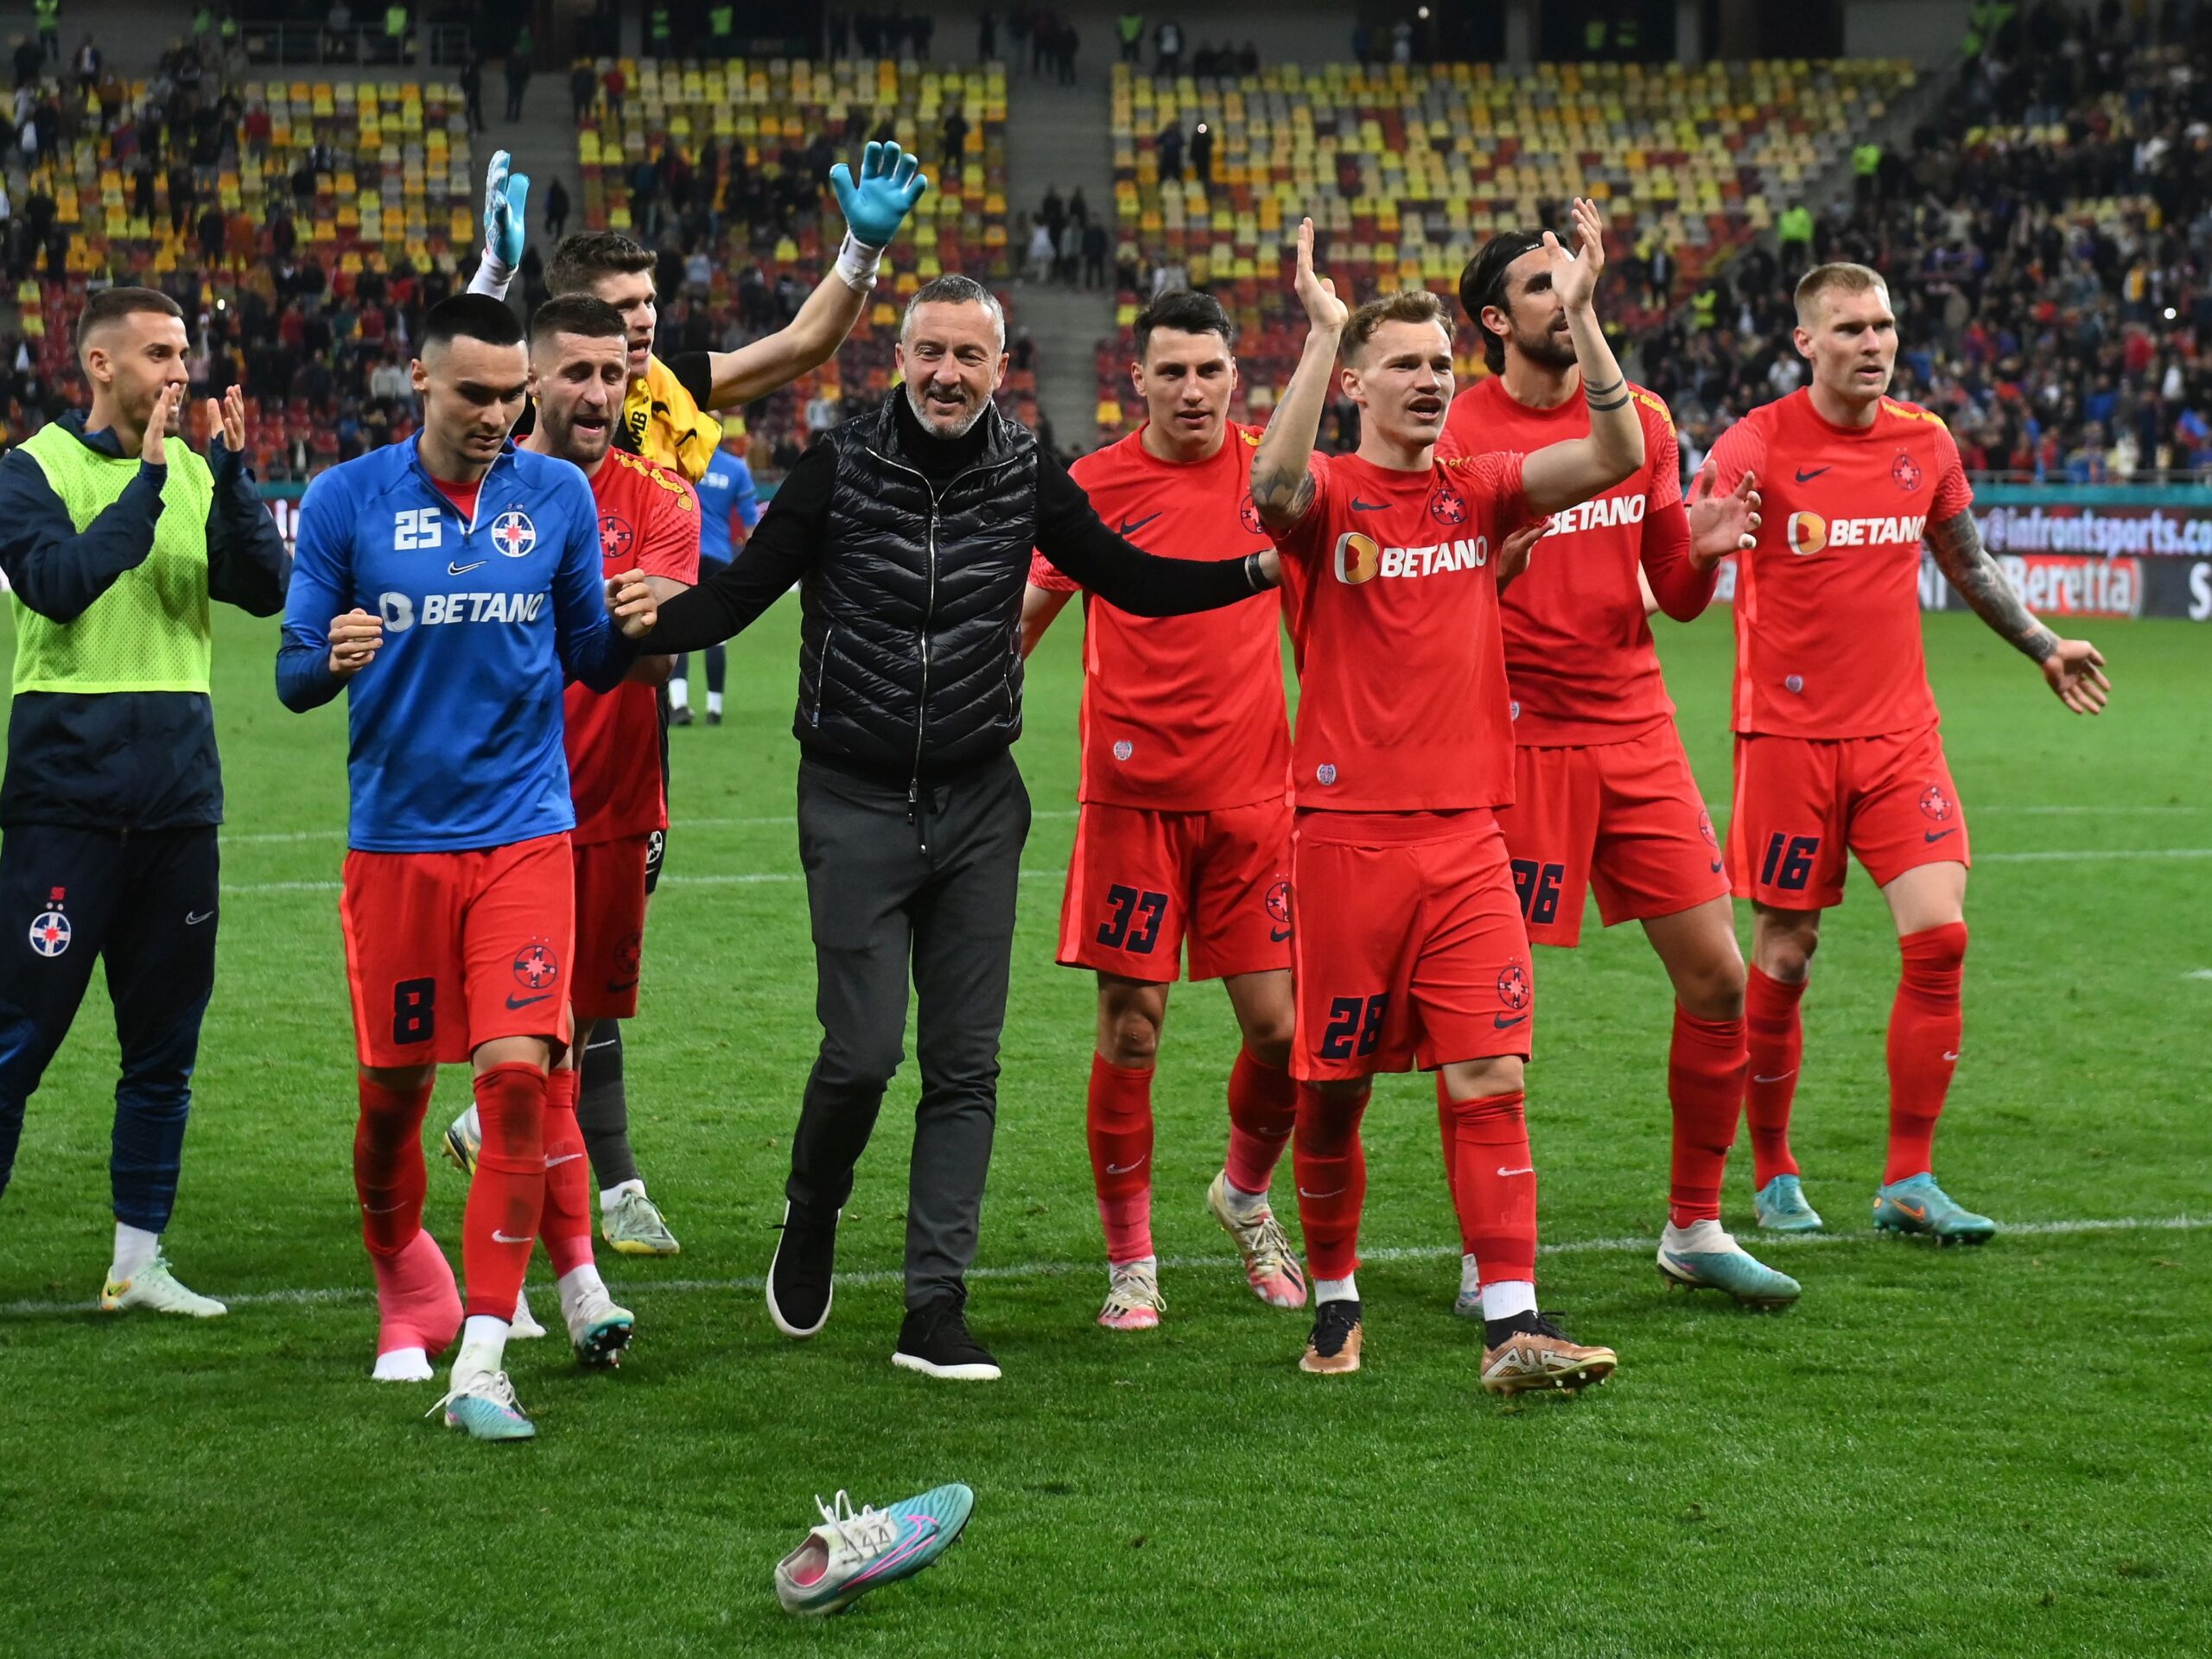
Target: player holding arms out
x,y
1836,740
1410,948
1603,794
1185,830
450,585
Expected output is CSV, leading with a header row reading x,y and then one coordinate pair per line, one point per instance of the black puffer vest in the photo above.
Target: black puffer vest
x,y
910,665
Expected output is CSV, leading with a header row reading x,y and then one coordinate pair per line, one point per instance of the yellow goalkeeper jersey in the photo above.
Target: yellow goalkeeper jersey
x,y
663,421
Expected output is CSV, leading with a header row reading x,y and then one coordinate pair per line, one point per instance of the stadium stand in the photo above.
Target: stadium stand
x,y
303,224
1404,168
723,167
2047,241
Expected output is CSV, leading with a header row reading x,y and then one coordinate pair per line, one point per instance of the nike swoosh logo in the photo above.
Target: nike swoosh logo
x,y
1506,1022
615,987
1718,866
1916,1211
525,1002
1359,505
565,1158
1130,526
463,569
1278,934
1781,1077
1806,478
498,1237
192,918
388,1210
1330,1193
1938,834
1125,1169
1953,1055
1530,1171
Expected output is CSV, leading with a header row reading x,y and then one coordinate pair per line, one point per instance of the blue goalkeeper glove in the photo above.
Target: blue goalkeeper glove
x,y
505,193
889,188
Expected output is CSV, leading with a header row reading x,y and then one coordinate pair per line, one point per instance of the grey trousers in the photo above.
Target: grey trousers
x,y
933,894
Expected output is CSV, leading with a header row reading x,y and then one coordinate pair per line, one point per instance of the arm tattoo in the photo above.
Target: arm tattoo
x,y
1281,500
1959,555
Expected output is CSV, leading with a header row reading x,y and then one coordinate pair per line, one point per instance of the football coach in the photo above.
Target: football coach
x,y
115,537
909,530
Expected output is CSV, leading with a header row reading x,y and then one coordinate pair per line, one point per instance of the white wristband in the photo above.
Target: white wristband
x,y
492,276
856,264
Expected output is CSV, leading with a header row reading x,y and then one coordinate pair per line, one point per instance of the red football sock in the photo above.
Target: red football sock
x,y
1925,1025
1329,1166
1705,1067
565,1227
1775,1045
388,1174
1263,1111
1448,1129
417,1304
1118,1124
501,1224
1494,1185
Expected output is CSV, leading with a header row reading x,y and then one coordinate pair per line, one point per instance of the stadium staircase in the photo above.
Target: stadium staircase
x,y
1056,137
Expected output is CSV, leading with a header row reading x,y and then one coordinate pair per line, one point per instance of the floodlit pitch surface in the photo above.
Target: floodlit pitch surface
x,y
2000,1450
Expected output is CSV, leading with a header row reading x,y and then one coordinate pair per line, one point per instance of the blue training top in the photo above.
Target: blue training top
x,y
727,488
455,724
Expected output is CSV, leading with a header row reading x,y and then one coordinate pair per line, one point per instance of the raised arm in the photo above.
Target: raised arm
x,y
1561,474
246,562
506,193
889,187
1283,490
58,570
2073,668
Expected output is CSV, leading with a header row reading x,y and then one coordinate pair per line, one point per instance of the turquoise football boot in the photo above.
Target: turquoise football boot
x,y
1916,1205
1702,1257
1781,1208
848,1554
484,1407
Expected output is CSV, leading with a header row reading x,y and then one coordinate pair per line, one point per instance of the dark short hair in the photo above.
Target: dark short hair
x,y
470,316
111,304
1188,312
583,259
1407,305
576,313
1483,282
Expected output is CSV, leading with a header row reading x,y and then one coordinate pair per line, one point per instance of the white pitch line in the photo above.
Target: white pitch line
x,y
770,877
649,1288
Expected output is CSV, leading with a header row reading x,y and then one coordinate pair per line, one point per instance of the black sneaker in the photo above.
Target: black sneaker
x,y
935,1342
679,716
798,1278
1333,1349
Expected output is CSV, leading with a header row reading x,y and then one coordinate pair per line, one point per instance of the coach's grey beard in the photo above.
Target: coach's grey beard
x,y
920,405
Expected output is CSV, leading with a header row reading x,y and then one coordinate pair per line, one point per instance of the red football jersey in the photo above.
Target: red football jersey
x,y
648,521
1578,649
1392,595
1827,604
1180,714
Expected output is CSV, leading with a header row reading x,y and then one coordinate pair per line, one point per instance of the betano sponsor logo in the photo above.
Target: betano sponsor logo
x,y
401,612
1362,558
1606,513
1809,533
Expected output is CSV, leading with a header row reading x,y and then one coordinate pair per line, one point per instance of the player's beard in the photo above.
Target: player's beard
x,y
1551,349
583,449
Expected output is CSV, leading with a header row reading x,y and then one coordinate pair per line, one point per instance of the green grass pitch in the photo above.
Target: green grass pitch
x,y
2001,1452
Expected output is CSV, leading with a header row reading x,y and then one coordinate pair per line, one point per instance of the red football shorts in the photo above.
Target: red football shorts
x,y
1801,802
1410,950
1140,883
447,952
610,926
1626,819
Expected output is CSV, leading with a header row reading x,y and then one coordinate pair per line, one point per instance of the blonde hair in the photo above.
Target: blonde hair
x,y
1841,278
1407,305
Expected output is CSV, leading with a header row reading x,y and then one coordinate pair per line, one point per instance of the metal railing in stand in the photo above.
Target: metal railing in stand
x,y
364,45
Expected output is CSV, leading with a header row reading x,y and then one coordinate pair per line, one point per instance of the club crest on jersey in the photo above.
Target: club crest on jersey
x,y
1934,803
1358,557
1809,532
1278,901
615,536
1905,471
50,929
536,966
514,534
1705,829
1124,749
1513,985
1325,772
1446,506
1249,516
